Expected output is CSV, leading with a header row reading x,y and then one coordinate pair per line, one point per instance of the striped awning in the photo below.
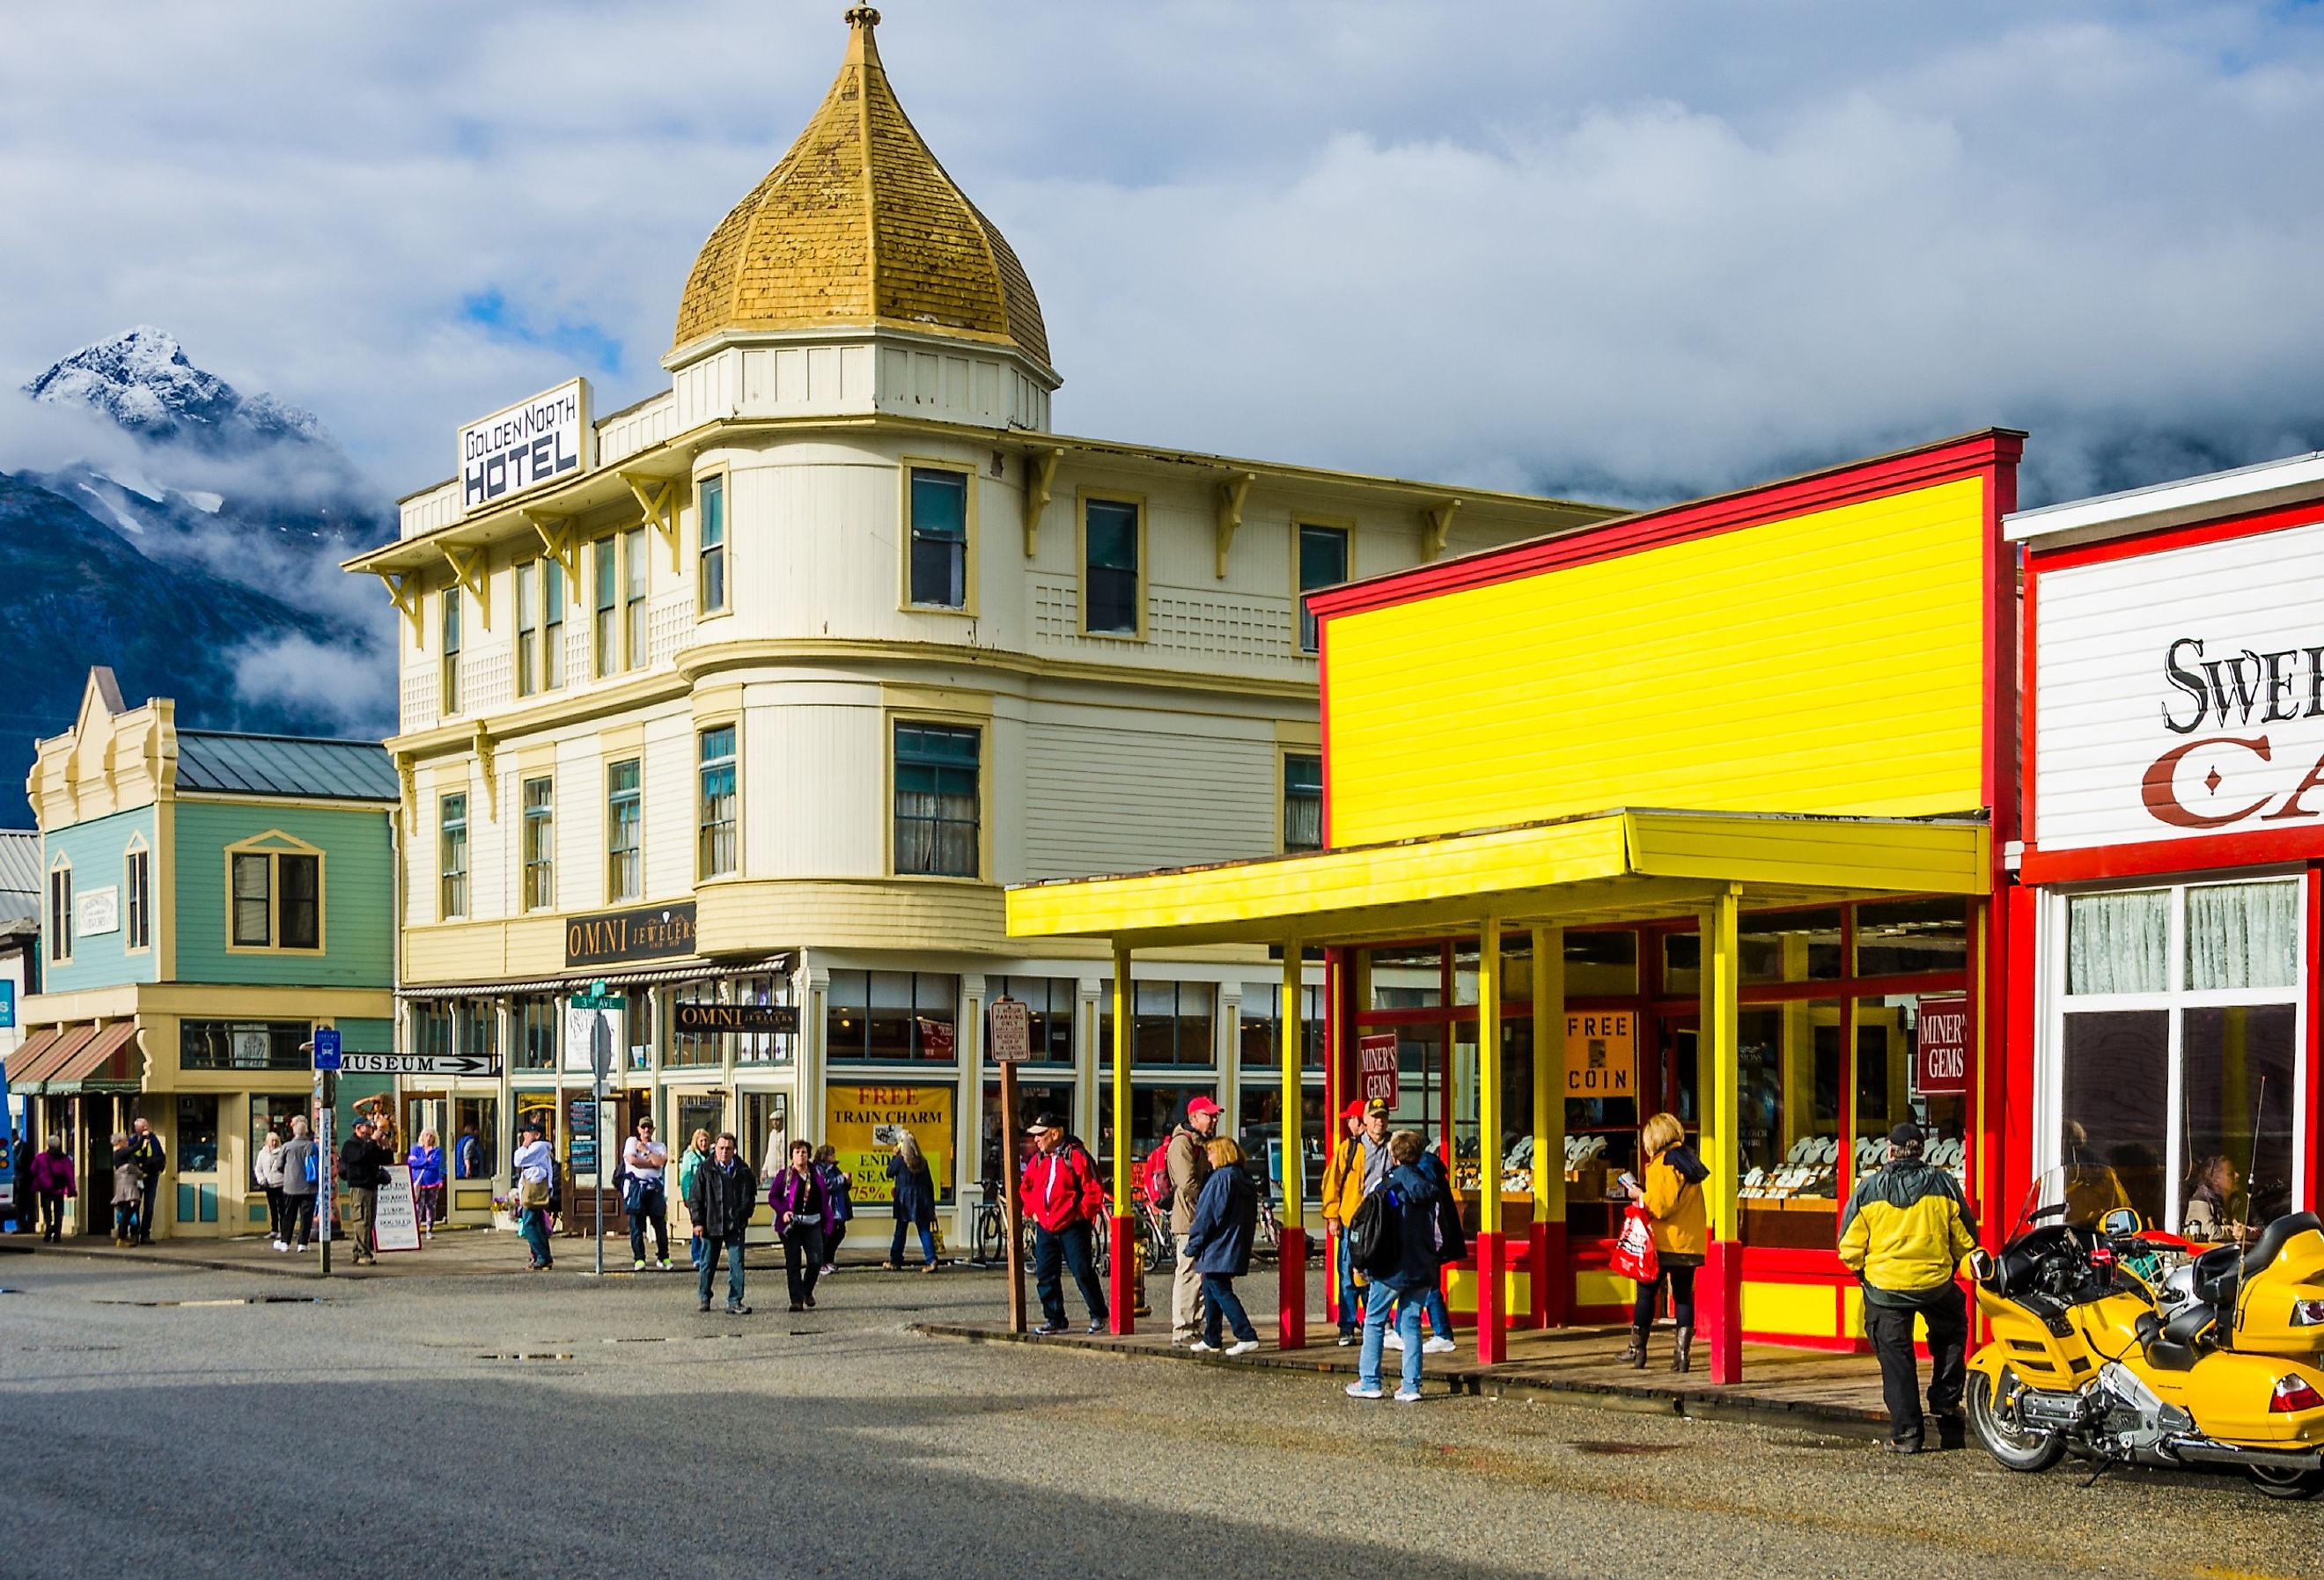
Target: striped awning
x,y
581,981
108,1059
66,1042
29,1053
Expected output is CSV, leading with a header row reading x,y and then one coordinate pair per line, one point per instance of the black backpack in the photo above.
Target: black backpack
x,y
1372,1233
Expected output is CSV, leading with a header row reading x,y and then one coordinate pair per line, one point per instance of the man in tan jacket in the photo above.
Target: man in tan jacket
x,y
1357,1164
1190,1165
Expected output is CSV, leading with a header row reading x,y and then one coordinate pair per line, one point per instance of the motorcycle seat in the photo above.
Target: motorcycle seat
x,y
2275,1237
2177,1344
2218,1272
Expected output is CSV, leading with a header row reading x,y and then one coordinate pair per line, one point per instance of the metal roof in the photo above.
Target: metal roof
x,y
19,862
285,765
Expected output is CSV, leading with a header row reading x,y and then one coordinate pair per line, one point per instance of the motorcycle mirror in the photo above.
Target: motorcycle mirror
x,y
2120,1224
1981,1265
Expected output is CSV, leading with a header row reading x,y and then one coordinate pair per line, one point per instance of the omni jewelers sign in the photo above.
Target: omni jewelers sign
x,y
2179,694
531,443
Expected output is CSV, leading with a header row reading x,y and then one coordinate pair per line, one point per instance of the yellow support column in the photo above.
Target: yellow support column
x,y
1550,1281
1291,1261
1492,1328
1719,1048
1124,1267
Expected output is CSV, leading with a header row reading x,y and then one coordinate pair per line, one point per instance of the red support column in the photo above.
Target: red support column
x,y
1492,1317
1122,1272
1719,1310
1291,1318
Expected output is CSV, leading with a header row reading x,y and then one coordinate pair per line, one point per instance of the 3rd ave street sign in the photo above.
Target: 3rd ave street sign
x,y
418,1064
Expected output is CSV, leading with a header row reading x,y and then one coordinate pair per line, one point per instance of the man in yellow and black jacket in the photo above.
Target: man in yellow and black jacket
x,y
1904,1233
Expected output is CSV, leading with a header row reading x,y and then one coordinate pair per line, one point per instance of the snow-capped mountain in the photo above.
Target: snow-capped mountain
x,y
193,547
142,380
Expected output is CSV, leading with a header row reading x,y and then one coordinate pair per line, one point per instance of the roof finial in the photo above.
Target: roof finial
x,y
863,16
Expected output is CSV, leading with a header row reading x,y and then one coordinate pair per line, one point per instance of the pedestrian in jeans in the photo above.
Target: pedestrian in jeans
x,y
912,1195
426,1161
535,1164
1218,1244
840,1192
127,1190
644,1162
1438,1319
362,1167
802,1211
1357,1167
1404,1263
1672,1196
725,1194
266,1169
689,1164
1190,1166
300,1166
152,1158
1904,1233
52,1182
1064,1196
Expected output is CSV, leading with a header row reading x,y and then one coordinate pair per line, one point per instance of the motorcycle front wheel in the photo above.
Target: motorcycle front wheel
x,y
2287,1484
2016,1447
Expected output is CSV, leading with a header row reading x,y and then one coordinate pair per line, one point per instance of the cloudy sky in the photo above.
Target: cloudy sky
x,y
1624,250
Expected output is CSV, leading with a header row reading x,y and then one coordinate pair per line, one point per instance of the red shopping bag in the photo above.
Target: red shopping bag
x,y
1634,1248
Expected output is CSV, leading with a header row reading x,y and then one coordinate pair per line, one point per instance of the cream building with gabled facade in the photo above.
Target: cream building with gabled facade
x,y
748,699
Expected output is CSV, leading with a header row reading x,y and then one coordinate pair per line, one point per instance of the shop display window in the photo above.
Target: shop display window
x,y
1682,965
694,1050
480,1028
1171,1022
431,1028
1600,964
2176,1049
1154,1113
1789,945
1407,978
1888,1092
761,1048
1261,1131
1517,1106
243,1045
197,1135
694,1111
1912,938
766,1122
1049,1003
1260,1035
892,1017
1789,1138
1031,1100
537,1021
476,1140
271,1112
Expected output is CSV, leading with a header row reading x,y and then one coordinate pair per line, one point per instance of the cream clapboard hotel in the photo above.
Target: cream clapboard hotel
x,y
748,700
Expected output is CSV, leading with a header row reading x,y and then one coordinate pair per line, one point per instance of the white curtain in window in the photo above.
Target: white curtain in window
x,y
2118,943
2242,935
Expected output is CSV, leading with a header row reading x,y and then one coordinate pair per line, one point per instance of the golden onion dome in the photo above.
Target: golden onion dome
x,y
858,225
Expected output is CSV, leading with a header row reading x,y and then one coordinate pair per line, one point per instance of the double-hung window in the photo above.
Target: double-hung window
x,y
939,538
1109,569
607,634
60,912
622,821
710,520
1323,563
452,869
1303,802
633,610
539,843
277,899
137,896
450,700
936,801
714,848
552,625
527,627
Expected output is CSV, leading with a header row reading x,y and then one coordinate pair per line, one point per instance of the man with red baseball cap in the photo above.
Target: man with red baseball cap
x,y
1357,1164
1190,1165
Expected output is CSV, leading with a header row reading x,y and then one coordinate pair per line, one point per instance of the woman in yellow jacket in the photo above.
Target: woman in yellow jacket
x,y
1673,1195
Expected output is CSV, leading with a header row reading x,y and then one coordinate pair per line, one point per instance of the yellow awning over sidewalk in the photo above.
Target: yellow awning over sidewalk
x,y
1595,868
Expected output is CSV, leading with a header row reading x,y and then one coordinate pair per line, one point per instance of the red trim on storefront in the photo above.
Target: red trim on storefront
x,y
2009,1109
2159,858
2314,1040
1993,448
2162,540
1323,717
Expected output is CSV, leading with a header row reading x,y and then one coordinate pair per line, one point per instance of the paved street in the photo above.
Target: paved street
x,y
561,1426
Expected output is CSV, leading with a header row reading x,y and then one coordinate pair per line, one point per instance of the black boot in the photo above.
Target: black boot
x,y
1636,1356
1680,1355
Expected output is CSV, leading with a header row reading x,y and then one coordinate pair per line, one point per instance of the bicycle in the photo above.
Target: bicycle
x,y
991,1233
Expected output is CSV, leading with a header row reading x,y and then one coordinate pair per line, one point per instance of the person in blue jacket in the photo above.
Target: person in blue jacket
x,y
1218,1247
1405,1263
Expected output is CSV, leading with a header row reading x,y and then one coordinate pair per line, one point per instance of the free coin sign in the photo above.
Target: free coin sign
x,y
1601,1054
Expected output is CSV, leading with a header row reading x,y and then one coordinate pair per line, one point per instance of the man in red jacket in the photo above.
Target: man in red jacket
x,y
1064,1196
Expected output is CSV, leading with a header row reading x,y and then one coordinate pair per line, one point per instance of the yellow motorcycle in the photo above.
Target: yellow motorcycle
x,y
2215,1364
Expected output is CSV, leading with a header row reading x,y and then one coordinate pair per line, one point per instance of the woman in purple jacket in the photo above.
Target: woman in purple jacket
x,y
802,1216
52,1182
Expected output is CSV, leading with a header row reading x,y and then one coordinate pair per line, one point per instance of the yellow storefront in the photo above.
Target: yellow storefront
x,y
1708,801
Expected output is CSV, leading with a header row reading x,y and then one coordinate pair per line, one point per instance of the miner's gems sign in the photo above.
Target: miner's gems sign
x,y
2181,694
529,444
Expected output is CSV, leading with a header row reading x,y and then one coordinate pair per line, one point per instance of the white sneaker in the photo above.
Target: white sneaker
x,y
1439,1346
281,1245
638,1266
1392,1340
1243,1346
1406,1396
1362,1390
663,1264
1200,1348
